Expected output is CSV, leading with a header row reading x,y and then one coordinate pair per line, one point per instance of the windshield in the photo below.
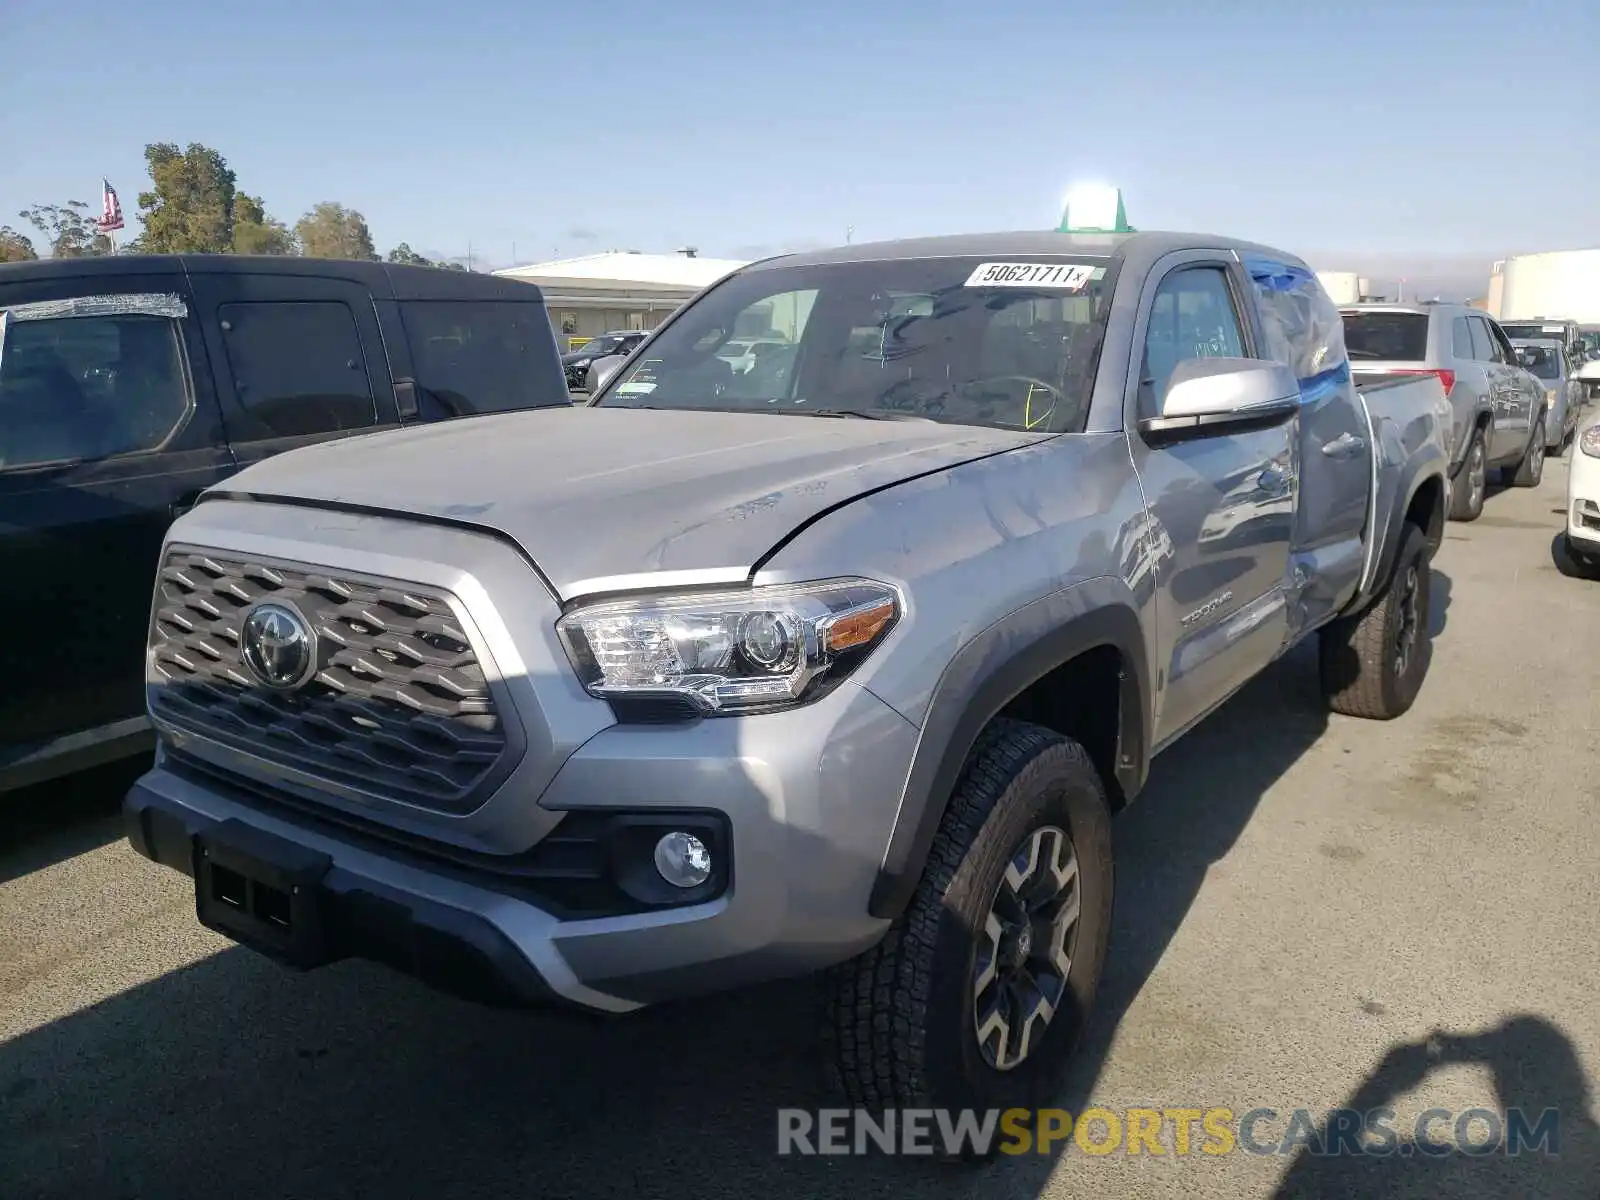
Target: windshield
x,y
1386,336
969,341
1535,331
599,347
1543,361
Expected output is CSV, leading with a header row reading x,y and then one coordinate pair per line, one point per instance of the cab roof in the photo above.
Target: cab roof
x,y
385,280
1142,247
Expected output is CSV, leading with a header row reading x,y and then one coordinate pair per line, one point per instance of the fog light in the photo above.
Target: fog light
x,y
683,860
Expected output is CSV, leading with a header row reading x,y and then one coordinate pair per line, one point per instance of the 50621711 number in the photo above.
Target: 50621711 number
x,y
1069,277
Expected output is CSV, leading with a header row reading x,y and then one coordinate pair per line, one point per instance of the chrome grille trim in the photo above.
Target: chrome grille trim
x,y
401,707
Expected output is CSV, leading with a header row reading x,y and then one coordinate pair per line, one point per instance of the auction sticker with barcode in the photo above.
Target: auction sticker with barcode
x,y
1068,276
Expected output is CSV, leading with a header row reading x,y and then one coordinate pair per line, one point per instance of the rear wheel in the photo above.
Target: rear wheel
x,y
1531,469
978,993
1373,664
1466,493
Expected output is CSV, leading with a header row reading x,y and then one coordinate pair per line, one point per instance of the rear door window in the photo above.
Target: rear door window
x,y
1461,339
78,389
486,356
1483,343
1386,336
298,366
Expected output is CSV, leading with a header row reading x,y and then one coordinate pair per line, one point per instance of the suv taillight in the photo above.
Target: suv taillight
x,y
1446,378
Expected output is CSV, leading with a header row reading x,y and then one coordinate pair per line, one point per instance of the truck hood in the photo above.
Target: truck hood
x,y
595,496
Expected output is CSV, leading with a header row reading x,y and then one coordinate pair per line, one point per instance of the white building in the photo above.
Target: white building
x,y
619,289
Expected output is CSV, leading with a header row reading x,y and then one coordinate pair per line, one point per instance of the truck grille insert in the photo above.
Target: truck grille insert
x,y
399,706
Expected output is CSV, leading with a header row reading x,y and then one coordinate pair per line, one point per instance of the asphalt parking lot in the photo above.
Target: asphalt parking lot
x,y
1312,912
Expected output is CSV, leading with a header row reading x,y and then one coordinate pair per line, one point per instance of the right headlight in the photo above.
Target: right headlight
x,y
1589,441
729,652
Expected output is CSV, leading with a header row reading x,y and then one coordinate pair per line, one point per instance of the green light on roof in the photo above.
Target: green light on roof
x,y
1094,209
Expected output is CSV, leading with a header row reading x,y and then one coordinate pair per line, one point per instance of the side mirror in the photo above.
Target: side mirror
x,y
1206,395
602,370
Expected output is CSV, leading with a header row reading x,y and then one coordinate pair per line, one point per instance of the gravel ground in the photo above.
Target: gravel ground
x,y
1313,912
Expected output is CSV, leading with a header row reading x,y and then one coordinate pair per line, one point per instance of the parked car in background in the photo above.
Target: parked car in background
x,y
734,677
1498,407
1550,361
1562,330
576,363
1589,363
1582,540
130,384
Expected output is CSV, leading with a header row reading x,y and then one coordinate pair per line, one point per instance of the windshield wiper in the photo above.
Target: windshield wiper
x,y
863,414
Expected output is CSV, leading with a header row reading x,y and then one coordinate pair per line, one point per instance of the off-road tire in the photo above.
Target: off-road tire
x,y
1466,502
1357,654
1530,470
898,1020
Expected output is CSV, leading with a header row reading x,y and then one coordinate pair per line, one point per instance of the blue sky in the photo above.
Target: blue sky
x,y
1399,135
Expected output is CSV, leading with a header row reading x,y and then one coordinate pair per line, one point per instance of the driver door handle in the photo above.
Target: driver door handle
x,y
1343,446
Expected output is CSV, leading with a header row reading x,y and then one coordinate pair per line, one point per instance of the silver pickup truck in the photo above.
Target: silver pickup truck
x,y
840,667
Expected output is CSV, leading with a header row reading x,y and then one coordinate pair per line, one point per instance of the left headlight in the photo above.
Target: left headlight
x,y
730,652
1589,441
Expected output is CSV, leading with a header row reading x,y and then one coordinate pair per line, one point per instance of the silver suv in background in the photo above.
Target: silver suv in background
x,y
1498,407
1549,361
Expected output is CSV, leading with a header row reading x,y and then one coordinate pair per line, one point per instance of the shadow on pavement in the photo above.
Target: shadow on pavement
x,y
51,822
1201,795
1439,588
1534,1067
233,1076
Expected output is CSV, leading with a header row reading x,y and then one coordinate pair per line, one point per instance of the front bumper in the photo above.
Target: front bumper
x,y
808,797
1583,502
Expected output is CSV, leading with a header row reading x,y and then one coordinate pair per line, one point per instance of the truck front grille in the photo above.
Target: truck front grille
x,y
400,707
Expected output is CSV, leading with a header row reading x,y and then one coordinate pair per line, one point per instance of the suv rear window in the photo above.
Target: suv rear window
x,y
1543,361
484,356
1386,336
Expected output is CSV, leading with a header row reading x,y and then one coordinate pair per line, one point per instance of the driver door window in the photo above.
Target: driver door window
x,y
1193,316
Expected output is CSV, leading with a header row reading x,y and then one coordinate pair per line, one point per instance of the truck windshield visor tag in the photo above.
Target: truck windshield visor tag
x,y
1067,277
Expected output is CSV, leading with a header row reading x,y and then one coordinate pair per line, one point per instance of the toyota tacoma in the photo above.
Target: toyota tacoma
x,y
838,666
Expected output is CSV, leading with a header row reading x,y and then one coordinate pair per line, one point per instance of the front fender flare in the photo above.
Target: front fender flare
x,y
988,672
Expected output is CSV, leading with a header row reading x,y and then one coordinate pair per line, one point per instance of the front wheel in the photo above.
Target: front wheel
x,y
1372,665
978,993
1585,563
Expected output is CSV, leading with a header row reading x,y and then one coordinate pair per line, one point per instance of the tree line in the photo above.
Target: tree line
x,y
194,206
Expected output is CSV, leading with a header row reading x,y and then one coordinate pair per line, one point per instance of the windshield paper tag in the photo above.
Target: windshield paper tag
x,y
1069,277
636,388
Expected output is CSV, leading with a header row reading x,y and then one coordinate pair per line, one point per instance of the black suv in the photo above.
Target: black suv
x,y
128,384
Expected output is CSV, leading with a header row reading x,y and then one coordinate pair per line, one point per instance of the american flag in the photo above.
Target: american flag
x,y
111,209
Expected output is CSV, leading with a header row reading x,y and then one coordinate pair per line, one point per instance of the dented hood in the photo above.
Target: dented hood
x,y
594,495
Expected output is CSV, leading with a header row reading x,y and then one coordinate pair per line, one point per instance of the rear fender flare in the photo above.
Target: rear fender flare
x,y
1393,523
